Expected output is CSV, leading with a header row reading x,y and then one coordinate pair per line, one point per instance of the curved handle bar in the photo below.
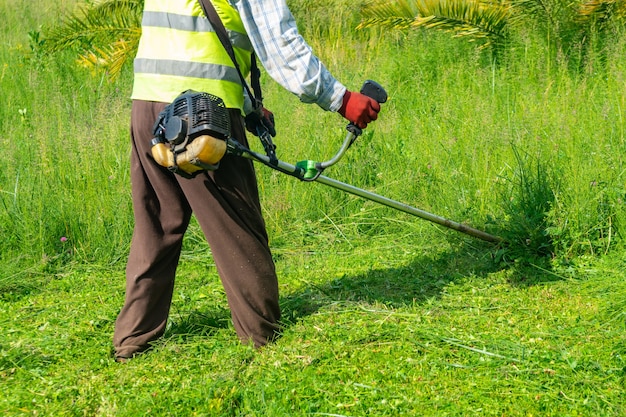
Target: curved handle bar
x,y
371,89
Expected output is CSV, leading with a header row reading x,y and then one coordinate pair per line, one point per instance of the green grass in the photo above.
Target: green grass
x,y
371,330
384,313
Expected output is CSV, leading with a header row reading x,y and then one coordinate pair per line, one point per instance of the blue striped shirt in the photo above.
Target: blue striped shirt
x,y
285,55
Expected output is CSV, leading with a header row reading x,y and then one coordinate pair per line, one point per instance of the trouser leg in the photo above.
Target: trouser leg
x,y
227,207
231,219
161,216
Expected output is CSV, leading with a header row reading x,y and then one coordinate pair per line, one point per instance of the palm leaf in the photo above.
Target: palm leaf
x,y
111,58
105,34
467,18
397,15
474,19
602,10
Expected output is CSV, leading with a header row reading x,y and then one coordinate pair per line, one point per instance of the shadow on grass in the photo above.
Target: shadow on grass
x,y
422,279
198,323
20,277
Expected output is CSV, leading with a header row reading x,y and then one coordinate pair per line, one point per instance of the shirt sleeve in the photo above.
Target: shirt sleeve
x,y
286,56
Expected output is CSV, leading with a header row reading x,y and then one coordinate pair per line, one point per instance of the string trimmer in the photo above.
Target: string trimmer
x,y
192,134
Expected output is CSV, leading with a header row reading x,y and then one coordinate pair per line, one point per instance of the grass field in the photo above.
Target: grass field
x,y
384,313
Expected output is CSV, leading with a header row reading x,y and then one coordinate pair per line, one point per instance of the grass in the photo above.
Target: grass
x,y
384,314
369,330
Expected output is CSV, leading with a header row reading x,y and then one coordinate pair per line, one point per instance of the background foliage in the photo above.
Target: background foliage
x,y
502,147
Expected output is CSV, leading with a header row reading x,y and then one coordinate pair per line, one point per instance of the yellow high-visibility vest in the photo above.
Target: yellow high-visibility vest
x,y
179,50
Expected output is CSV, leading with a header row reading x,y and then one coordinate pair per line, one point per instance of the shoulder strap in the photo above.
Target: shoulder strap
x,y
222,34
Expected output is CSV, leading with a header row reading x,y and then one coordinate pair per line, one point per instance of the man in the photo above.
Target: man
x,y
178,51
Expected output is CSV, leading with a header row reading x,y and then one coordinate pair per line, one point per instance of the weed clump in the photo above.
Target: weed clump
x,y
527,198
540,220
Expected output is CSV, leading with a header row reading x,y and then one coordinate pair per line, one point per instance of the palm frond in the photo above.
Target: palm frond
x,y
105,33
484,20
602,10
396,15
467,18
111,58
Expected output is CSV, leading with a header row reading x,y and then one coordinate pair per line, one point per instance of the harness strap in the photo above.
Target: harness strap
x,y
255,73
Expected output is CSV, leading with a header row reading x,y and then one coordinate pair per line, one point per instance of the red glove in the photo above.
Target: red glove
x,y
264,118
359,108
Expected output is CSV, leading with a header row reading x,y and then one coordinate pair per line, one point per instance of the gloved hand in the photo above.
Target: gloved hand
x,y
264,118
359,108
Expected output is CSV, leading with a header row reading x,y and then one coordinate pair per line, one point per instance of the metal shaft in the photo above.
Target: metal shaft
x,y
299,173
408,209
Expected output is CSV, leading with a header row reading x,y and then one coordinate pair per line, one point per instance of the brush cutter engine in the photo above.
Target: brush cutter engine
x,y
190,134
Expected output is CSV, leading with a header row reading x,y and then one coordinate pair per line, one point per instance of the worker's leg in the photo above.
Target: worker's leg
x,y
161,218
231,219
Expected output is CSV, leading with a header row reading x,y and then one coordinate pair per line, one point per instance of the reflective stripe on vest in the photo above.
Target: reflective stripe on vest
x,y
179,50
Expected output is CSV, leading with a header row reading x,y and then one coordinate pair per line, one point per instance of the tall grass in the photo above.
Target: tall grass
x,y
445,142
64,185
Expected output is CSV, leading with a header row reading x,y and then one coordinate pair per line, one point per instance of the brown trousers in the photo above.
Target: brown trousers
x,y
226,205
